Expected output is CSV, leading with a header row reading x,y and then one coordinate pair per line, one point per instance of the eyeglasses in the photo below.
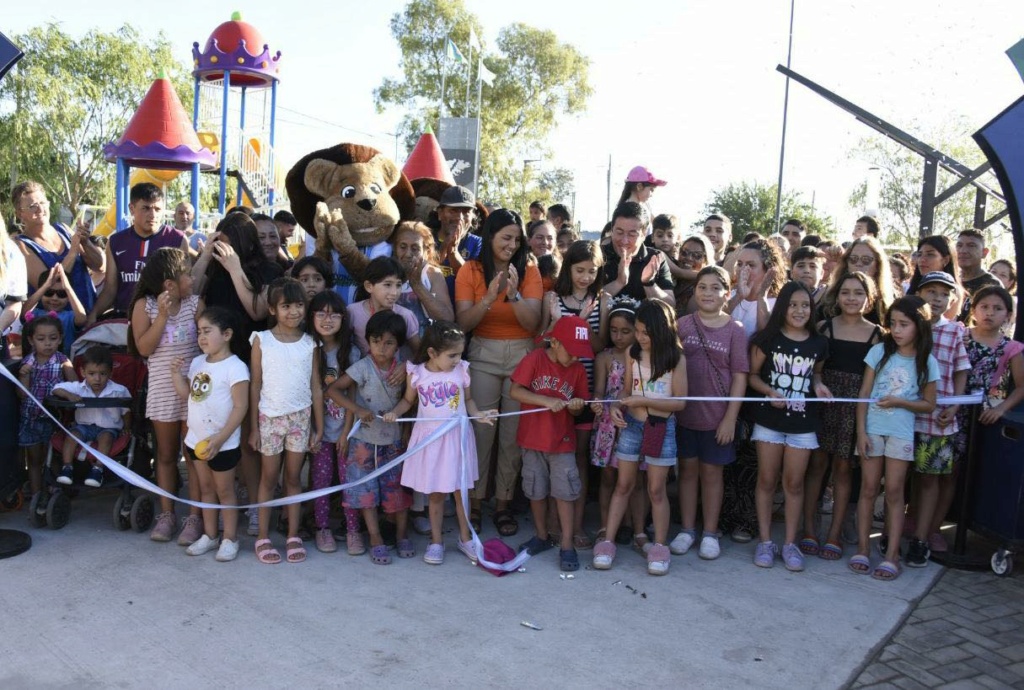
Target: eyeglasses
x,y
37,207
693,256
56,293
327,316
860,260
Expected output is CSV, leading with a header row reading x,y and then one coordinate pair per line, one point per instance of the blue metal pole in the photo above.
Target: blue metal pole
x,y
241,151
270,157
221,198
195,168
119,194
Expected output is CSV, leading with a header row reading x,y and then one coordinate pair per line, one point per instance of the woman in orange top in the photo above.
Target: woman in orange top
x,y
498,298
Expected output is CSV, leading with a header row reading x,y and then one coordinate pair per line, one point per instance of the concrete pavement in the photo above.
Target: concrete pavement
x,y
88,606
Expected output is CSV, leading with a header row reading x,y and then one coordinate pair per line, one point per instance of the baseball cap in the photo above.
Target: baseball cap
x,y
938,277
642,174
574,334
457,197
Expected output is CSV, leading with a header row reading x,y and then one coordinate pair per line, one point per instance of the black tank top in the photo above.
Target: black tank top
x,y
847,355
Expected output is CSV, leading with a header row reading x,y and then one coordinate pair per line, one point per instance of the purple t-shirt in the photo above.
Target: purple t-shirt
x,y
131,251
709,369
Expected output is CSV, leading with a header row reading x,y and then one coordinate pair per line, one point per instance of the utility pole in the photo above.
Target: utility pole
x,y
608,192
785,114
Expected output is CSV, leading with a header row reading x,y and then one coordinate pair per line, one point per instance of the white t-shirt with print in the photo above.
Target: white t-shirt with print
x,y
209,398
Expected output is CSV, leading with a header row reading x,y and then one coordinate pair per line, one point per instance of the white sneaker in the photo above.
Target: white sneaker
x,y
202,545
254,522
682,543
228,550
709,548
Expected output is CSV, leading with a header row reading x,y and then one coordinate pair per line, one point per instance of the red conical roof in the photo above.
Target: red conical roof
x,y
160,133
229,34
427,160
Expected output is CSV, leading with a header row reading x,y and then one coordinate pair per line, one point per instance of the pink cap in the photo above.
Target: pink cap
x,y
642,174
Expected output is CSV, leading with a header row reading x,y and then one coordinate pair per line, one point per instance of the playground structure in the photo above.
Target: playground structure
x,y
231,131
232,99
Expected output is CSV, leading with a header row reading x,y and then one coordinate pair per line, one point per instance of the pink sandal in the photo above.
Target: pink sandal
x,y
268,555
294,554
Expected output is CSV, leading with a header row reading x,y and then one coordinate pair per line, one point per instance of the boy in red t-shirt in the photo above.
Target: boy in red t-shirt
x,y
553,377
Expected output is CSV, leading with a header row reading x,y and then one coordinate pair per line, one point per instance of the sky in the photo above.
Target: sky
x,y
687,88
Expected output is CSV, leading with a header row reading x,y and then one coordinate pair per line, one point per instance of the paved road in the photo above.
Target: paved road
x,y
90,607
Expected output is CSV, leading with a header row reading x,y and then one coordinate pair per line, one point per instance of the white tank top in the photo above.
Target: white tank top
x,y
287,371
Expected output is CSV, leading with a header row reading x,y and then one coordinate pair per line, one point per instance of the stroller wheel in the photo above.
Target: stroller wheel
x,y
122,515
141,516
37,508
58,510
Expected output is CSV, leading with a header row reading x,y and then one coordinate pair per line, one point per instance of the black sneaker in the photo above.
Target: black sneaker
x,y
883,547
917,554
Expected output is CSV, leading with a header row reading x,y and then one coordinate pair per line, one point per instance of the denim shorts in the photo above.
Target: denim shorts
x,y
631,438
703,446
91,432
808,441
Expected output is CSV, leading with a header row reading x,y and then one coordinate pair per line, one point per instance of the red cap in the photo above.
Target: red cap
x,y
574,335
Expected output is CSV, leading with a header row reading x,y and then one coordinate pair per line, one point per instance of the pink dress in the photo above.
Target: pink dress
x,y
437,467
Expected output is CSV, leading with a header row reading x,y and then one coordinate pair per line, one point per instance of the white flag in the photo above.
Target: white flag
x,y
485,75
474,42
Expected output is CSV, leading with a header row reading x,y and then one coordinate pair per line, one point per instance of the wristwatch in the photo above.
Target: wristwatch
x,y
516,297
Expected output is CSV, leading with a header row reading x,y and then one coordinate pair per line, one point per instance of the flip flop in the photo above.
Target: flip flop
x,y
505,522
809,546
294,554
830,551
268,555
886,571
379,555
860,564
582,542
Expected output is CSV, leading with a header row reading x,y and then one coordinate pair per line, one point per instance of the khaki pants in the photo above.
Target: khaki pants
x,y
491,363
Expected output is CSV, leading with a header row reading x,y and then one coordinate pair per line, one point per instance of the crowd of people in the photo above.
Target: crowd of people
x,y
573,359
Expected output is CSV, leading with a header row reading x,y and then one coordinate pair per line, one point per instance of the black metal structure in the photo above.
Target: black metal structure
x,y
933,160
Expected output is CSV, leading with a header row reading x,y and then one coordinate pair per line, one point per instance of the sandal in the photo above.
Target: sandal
x,y
294,554
268,554
830,551
860,564
809,546
887,571
568,560
476,519
505,522
582,542
379,555
641,544
405,549
600,536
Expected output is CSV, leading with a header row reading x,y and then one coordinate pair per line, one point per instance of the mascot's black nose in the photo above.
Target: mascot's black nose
x,y
366,204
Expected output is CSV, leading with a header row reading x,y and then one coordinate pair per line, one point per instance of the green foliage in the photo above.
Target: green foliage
x,y
751,207
538,81
901,178
68,97
555,186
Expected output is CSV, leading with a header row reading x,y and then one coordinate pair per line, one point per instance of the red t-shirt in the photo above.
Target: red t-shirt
x,y
549,432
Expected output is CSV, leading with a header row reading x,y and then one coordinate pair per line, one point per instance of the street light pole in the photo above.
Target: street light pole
x,y
526,167
785,114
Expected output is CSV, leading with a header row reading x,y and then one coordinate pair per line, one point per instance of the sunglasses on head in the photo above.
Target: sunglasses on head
x,y
56,293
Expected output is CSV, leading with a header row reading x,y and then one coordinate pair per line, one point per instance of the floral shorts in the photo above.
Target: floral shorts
x,y
385,490
287,432
934,454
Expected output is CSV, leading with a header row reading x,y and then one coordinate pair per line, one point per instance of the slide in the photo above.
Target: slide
x,y
108,224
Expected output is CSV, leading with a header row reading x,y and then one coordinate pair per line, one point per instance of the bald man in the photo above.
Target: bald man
x,y
184,216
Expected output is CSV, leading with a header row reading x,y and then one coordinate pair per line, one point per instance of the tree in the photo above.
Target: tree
x,y
538,81
751,208
555,186
902,175
68,97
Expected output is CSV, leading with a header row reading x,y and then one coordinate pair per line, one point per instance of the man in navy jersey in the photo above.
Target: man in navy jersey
x,y
129,249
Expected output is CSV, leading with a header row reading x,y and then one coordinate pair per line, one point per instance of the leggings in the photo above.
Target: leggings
x,y
323,472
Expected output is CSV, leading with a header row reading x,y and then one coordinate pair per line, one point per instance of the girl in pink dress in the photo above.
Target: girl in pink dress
x,y
439,379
